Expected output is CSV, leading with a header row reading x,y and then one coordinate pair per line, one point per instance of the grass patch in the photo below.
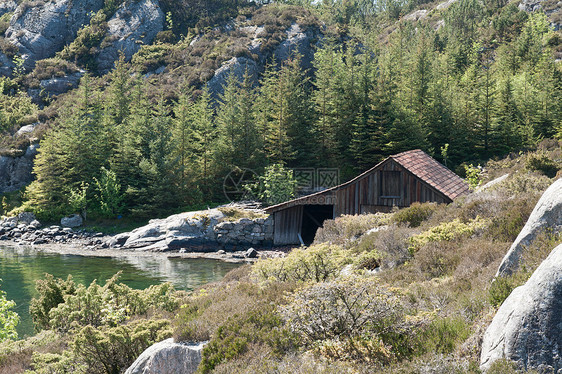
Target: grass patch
x,y
233,214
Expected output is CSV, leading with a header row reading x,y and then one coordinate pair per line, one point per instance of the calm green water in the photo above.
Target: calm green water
x,y
20,267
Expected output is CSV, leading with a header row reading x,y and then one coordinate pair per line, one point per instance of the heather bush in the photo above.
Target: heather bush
x,y
316,263
353,318
260,359
349,227
502,287
260,325
415,214
542,163
204,311
448,231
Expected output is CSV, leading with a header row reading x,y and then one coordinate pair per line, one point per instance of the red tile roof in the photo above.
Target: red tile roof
x,y
432,172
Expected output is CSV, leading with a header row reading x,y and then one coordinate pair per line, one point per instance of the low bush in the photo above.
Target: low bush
x,y
448,231
502,287
95,305
260,325
113,349
542,163
205,310
443,335
415,214
353,318
234,214
348,227
316,263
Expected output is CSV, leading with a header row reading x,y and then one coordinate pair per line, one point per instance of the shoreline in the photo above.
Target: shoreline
x,y
78,250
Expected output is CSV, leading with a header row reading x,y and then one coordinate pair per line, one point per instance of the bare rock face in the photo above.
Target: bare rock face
x,y
546,214
135,23
298,41
528,326
552,12
40,29
15,172
7,6
168,357
238,66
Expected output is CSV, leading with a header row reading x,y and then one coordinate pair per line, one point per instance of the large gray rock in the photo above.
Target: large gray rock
x,y
237,66
135,23
547,214
15,172
40,29
178,230
528,326
73,220
168,357
6,65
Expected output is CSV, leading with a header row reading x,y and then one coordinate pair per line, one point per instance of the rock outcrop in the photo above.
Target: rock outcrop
x,y
40,29
237,66
201,231
168,357
528,326
547,214
552,10
15,172
73,220
297,41
135,23
7,6
25,229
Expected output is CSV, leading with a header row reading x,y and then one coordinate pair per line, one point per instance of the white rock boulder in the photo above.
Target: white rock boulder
x,y
547,214
527,328
168,357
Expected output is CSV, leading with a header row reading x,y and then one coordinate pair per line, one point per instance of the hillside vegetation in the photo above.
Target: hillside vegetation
x,y
466,81
414,295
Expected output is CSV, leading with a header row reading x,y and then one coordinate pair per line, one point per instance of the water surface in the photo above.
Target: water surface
x,y
20,267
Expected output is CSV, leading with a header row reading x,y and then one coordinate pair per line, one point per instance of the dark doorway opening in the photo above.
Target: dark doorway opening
x,y
313,217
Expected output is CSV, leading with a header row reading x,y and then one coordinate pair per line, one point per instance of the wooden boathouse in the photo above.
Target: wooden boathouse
x,y
399,180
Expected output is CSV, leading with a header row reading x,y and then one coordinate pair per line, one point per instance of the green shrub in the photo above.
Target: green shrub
x,y
473,175
354,316
502,287
443,335
262,324
48,363
349,227
51,292
447,231
543,164
316,263
96,305
415,214
112,349
9,319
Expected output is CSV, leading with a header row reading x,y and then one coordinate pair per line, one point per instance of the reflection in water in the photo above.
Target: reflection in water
x,y
20,267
